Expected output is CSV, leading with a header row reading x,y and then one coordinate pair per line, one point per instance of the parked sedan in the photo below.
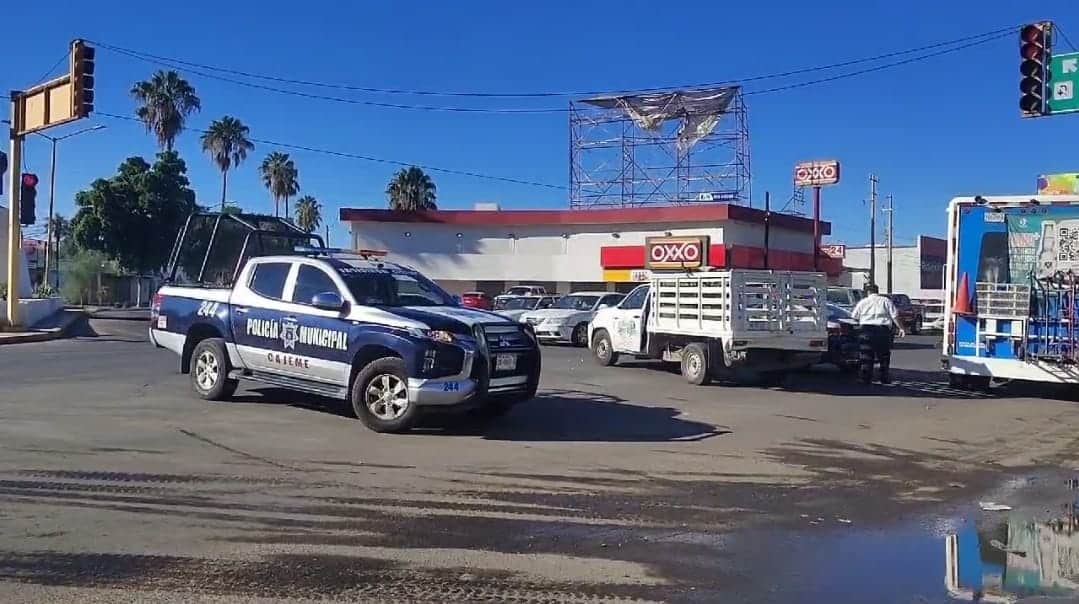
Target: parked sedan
x,y
567,320
478,300
842,339
513,308
910,314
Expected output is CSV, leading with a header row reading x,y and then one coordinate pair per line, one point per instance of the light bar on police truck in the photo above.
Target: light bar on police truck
x,y
307,249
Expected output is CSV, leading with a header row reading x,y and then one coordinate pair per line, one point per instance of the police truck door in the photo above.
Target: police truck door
x,y
257,307
629,322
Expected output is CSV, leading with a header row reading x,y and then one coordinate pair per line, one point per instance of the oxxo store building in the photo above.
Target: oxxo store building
x,y
571,250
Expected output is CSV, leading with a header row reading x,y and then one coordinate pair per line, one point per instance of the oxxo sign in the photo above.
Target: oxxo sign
x,y
676,252
816,173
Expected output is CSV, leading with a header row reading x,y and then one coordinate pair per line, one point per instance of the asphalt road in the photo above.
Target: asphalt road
x,y
615,484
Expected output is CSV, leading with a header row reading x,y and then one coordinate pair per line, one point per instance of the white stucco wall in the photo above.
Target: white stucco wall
x,y
540,252
25,288
906,271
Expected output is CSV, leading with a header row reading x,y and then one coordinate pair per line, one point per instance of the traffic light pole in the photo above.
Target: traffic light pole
x,y
14,241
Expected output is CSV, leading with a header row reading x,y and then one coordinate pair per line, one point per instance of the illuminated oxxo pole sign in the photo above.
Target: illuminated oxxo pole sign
x,y
676,252
816,174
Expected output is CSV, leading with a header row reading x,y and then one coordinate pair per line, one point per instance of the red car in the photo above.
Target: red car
x,y
478,300
910,314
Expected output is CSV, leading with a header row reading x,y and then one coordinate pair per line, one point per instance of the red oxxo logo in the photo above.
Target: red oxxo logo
x,y
676,252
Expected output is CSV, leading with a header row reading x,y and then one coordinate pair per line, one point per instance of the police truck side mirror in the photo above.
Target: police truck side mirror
x,y
328,301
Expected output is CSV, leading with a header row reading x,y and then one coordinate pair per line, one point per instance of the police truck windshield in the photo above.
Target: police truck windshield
x,y
380,287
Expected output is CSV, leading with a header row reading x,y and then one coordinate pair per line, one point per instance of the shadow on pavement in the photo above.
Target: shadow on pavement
x,y
562,415
569,415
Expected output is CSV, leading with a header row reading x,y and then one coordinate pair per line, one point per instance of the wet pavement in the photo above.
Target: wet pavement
x,y
621,484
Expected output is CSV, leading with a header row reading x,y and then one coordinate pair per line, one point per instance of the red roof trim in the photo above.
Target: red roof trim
x,y
721,256
633,216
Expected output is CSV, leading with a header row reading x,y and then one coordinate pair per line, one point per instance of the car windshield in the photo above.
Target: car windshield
x,y
577,302
518,291
384,287
838,296
520,303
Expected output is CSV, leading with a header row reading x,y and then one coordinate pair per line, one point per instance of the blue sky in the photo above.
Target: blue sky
x,y
931,130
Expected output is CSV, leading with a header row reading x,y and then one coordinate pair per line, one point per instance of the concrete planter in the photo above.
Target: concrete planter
x,y
34,310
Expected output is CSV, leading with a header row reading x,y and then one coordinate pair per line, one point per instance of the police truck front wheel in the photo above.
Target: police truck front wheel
x,y
380,396
602,350
210,370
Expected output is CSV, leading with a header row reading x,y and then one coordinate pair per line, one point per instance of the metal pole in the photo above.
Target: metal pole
x,y
14,247
816,228
52,194
767,224
891,222
872,229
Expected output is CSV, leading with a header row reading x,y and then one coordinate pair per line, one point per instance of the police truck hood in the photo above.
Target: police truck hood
x,y
455,319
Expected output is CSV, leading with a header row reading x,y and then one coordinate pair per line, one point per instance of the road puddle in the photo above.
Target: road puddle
x,y
1026,554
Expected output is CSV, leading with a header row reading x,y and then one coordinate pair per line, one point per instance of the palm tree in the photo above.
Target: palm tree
x,y
279,174
226,142
308,213
411,190
166,99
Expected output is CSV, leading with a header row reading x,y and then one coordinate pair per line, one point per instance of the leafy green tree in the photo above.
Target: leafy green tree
x,y
134,216
411,189
227,143
281,178
165,101
308,213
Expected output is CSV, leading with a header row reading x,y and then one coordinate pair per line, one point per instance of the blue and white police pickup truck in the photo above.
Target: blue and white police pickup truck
x,y
355,327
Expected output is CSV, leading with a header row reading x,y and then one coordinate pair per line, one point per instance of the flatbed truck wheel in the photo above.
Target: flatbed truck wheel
x,y
695,365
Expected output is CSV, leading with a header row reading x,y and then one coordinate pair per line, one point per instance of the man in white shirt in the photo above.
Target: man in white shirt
x,y
876,315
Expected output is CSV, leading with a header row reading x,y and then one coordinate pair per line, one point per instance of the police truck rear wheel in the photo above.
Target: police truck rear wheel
x,y
695,365
380,396
210,370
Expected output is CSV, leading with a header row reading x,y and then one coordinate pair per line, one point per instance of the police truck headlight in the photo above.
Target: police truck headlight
x,y
438,335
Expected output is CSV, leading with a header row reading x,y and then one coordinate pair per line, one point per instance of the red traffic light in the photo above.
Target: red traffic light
x,y
1031,32
29,180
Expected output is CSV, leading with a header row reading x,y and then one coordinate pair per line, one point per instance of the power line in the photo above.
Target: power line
x,y
338,99
45,77
1065,37
980,39
152,58
365,157
876,68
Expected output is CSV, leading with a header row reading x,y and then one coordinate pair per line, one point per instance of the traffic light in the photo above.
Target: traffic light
x,y
82,78
1035,48
28,199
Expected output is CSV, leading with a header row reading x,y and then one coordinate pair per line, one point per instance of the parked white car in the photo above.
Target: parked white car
x,y
513,308
567,320
517,291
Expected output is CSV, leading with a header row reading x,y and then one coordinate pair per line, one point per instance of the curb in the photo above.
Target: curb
x,y
53,333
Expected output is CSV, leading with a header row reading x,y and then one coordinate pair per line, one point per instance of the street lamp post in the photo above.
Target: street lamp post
x,y
52,196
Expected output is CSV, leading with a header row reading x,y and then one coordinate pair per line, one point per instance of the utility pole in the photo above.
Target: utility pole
x,y
14,243
327,235
873,180
50,236
889,212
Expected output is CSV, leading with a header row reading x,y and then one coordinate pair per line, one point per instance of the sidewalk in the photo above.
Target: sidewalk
x,y
55,327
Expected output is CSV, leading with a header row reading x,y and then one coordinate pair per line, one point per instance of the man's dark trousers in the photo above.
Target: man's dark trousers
x,y
875,343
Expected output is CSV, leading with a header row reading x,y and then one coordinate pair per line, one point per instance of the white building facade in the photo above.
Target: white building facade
x,y
566,250
917,270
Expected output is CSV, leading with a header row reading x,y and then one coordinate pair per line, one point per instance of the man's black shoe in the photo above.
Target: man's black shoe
x,y
885,379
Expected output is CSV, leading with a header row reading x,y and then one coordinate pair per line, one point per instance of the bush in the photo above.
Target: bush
x,y
78,281
44,290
